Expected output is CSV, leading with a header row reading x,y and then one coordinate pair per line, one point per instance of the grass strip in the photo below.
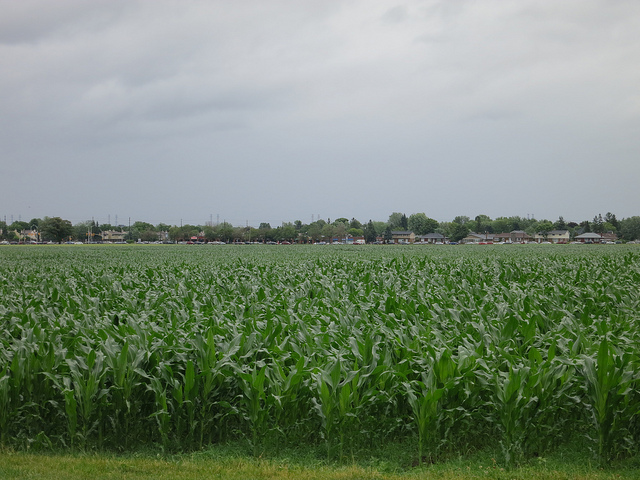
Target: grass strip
x,y
23,466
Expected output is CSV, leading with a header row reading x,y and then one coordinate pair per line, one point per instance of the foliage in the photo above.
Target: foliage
x,y
630,228
56,229
519,348
420,224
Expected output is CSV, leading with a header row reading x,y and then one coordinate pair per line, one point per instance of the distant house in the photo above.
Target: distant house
x,y
554,236
515,236
113,236
28,235
502,237
431,238
609,237
520,236
474,237
589,238
402,236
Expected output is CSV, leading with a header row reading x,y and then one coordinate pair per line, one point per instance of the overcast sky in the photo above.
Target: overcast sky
x,y
271,111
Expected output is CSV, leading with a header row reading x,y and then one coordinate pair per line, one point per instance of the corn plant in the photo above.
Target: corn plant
x,y
254,402
609,380
524,348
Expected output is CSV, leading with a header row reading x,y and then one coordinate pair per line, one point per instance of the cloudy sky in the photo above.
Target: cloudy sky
x,y
271,111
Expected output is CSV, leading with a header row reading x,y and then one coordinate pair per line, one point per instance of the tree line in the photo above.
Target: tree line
x,y
58,230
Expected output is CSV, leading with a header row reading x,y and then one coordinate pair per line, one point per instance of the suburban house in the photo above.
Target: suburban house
x,y
554,236
28,235
478,238
515,236
609,237
589,237
432,238
403,236
113,236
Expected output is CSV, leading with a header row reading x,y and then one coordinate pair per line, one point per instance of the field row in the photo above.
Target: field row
x,y
448,350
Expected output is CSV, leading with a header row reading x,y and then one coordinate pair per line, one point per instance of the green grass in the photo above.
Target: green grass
x,y
231,463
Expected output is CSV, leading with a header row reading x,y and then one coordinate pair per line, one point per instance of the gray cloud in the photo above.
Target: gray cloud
x,y
272,111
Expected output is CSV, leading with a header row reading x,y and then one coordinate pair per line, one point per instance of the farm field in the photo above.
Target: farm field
x,y
444,350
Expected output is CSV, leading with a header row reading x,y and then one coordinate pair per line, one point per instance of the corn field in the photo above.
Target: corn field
x,y
448,349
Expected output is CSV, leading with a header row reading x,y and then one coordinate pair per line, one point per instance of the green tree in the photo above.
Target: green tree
x,y
380,227
142,226
148,236
56,229
327,232
420,224
611,219
516,223
315,231
209,233
263,231
483,224
598,224
224,232
501,225
18,226
630,228
460,230
404,222
560,224
388,236
184,233
34,224
370,234
289,232
86,231
340,230
395,220
355,224
544,227
446,229
461,220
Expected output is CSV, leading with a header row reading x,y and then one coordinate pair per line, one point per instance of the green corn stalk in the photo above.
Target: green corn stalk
x,y
71,409
550,381
424,399
512,399
286,397
124,369
608,380
86,383
254,399
213,371
4,405
184,395
327,382
425,395
161,413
